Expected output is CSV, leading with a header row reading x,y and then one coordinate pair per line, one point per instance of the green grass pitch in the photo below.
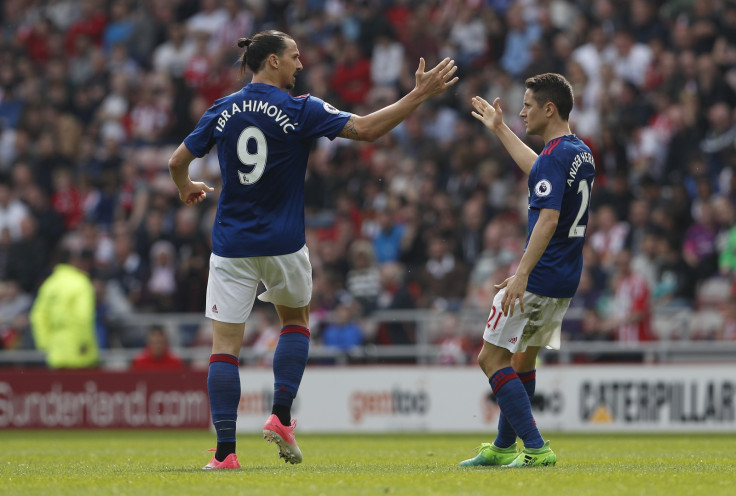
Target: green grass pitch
x,y
57,463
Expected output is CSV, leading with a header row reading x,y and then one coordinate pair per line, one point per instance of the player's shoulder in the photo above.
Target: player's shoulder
x,y
564,148
228,98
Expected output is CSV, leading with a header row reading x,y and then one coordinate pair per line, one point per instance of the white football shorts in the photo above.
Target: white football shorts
x,y
233,282
539,325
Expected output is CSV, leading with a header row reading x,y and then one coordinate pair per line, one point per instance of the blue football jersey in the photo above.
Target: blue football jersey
x,y
561,179
263,137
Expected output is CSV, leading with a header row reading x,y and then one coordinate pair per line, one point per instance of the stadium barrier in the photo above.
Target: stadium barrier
x,y
373,399
436,399
38,399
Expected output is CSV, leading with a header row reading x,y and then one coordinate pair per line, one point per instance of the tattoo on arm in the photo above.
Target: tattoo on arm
x,y
349,130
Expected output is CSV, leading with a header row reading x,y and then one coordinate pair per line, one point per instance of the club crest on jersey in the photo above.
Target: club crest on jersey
x,y
543,188
329,108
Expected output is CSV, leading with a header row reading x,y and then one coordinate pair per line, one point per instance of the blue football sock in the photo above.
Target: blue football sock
x,y
516,407
506,435
223,386
289,361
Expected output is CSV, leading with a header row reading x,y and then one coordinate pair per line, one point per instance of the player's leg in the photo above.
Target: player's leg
x,y
515,405
542,329
288,280
290,359
231,290
223,388
502,337
289,362
524,364
501,451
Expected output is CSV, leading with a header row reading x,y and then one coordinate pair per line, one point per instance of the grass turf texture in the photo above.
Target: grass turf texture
x,y
57,463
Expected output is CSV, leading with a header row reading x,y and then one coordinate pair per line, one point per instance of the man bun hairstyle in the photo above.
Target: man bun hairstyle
x,y
551,87
259,47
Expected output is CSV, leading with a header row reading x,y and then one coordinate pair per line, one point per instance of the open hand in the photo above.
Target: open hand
x,y
436,80
490,115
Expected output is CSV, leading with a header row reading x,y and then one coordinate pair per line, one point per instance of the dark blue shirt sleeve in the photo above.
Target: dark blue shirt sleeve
x,y
547,183
202,139
319,118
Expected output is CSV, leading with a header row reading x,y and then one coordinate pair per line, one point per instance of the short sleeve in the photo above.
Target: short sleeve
x,y
202,139
321,119
547,183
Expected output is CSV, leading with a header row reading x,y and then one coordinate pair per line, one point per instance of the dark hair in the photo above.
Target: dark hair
x,y
551,87
260,47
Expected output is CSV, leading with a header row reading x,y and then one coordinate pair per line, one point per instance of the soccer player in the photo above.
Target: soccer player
x,y
263,137
560,181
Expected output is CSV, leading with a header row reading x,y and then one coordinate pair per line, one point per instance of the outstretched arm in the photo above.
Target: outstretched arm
x,y
492,117
190,192
428,84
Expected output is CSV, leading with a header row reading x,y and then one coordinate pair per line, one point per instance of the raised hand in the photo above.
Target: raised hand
x,y
436,80
490,115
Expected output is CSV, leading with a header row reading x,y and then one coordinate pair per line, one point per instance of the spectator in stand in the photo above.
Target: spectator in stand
x,y
468,36
388,238
628,58
171,57
470,232
14,307
453,344
160,287
240,20
521,34
396,294
27,257
343,332
444,277
609,236
587,298
91,23
644,261
12,211
157,356
351,76
387,65
210,18
363,280
699,246
631,313
676,280
120,27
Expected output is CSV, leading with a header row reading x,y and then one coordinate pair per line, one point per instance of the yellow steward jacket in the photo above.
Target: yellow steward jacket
x,y
63,319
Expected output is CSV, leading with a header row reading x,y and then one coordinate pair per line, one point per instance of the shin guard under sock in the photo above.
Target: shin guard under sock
x,y
289,361
223,388
515,406
506,435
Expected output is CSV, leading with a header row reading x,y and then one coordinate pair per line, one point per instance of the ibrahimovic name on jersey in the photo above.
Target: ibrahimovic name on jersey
x,y
263,137
561,179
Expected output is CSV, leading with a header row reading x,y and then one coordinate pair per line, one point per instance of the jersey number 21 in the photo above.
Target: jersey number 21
x,y
577,230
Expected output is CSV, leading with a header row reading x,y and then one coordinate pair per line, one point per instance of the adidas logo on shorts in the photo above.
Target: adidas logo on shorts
x,y
214,308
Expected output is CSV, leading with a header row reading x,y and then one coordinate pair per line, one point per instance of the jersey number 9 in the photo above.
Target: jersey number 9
x,y
257,160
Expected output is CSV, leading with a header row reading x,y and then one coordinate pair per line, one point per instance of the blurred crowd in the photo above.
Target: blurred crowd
x,y
95,95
